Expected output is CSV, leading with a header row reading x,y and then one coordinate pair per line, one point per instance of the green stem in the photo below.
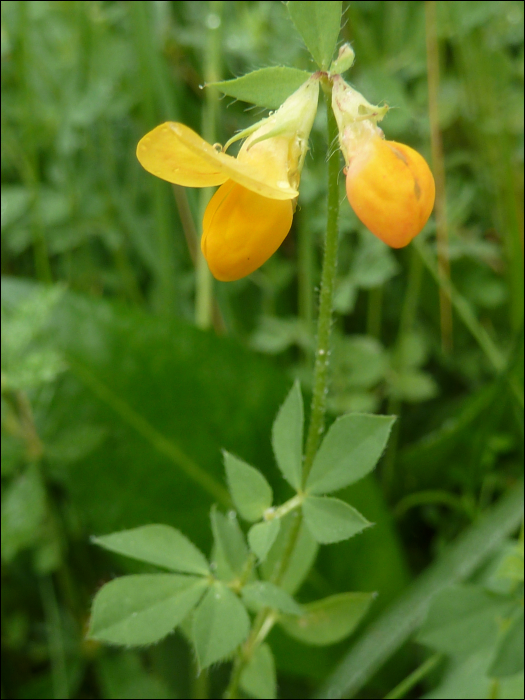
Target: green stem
x,y
265,620
212,74
324,323
410,681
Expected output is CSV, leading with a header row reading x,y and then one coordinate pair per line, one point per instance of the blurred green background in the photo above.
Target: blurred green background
x,y
115,406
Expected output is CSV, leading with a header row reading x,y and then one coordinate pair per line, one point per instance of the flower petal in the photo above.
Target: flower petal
x,y
164,152
391,189
241,230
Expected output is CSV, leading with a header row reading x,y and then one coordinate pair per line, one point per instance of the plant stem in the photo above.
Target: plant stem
x,y
265,620
324,323
410,681
212,74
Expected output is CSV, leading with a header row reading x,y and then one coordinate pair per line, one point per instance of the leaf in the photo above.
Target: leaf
x,y
350,450
318,23
24,510
143,608
262,536
220,624
250,492
457,562
328,620
160,545
263,594
508,659
266,87
230,550
123,675
462,620
301,559
287,437
259,677
331,520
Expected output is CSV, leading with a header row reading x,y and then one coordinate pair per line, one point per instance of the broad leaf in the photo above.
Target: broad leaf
x,y
143,608
157,544
508,659
262,536
266,87
462,620
230,550
258,677
329,620
287,437
263,594
349,451
250,492
318,23
331,520
220,624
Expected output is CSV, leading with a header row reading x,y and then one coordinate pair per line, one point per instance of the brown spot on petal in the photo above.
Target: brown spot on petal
x,y
417,188
399,154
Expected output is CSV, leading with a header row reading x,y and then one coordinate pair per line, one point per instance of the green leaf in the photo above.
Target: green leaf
x,y
251,493
143,608
349,451
462,620
318,23
220,624
259,677
266,87
24,510
328,620
230,550
263,594
508,659
262,536
331,520
287,437
157,544
123,675
302,557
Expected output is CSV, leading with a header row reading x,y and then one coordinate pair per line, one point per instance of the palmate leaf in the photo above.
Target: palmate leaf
x,y
143,608
220,624
160,545
266,87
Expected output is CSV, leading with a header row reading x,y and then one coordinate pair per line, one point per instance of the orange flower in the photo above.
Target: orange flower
x,y
388,184
251,213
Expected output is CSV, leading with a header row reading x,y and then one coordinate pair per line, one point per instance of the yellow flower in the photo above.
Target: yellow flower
x,y
251,213
388,184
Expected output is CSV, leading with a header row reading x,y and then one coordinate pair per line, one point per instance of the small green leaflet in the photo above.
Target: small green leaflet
x,y
262,536
263,594
318,23
349,451
329,620
230,550
160,545
508,659
287,437
220,624
266,87
258,677
332,520
250,492
143,608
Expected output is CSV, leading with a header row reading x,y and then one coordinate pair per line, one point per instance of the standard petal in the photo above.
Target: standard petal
x,y
164,152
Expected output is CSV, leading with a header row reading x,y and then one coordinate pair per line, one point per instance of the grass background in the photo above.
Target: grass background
x,y
115,407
